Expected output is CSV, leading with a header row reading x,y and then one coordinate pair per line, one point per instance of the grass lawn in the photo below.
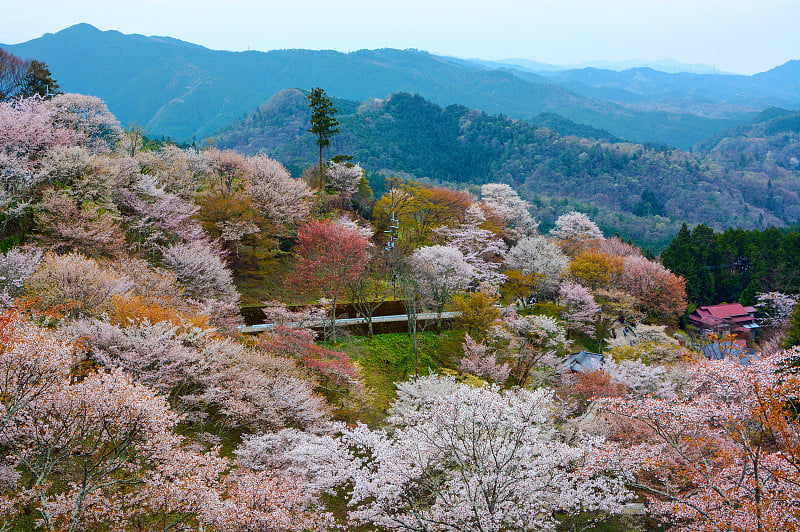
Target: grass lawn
x,y
389,358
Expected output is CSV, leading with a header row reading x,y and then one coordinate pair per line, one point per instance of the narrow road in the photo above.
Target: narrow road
x,y
350,321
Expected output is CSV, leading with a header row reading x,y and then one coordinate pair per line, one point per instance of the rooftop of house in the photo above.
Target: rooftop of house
x,y
725,312
584,361
731,350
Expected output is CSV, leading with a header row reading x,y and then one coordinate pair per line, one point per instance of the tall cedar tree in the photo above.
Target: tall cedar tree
x,y
323,124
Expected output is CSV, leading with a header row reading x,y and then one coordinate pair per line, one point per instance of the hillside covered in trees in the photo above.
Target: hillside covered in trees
x,y
131,397
748,178
179,89
540,381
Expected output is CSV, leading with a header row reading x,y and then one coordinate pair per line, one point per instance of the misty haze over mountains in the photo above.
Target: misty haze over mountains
x,y
667,65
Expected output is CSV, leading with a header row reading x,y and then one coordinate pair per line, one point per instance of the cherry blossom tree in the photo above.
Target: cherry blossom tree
x,y
482,249
89,117
245,387
329,257
581,309
90,433
158,218
344,176
660,293
615,246
440,271
162,355
313,460
541,257
575,230
475,459
181,172
257,390
533,339
724,454
514,211
68,165
15,267
641,380
76,282
28,127
100,452
263,501
275,195
67,226
201,270
33,363
777,307
479,360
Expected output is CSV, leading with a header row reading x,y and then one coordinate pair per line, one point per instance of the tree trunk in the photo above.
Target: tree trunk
x,y
333,319
321,173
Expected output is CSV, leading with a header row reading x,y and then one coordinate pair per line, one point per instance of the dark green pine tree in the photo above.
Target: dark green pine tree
x,y
39,80
323,124
793,333
677,257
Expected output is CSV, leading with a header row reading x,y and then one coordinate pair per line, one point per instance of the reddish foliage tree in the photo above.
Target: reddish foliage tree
x,y
596,384
12,74
330,256
333,366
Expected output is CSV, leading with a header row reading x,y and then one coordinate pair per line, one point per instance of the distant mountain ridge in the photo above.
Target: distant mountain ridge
x,y
181,89
668,65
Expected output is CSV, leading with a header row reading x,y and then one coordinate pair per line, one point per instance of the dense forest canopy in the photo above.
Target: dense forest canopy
x,y
747,177
734,265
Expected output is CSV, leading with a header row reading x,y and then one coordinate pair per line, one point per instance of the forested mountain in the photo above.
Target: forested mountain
x,y
181,90
641,191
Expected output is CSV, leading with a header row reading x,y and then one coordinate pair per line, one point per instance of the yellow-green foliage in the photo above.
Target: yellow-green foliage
x,y
651,343
466,378
478,313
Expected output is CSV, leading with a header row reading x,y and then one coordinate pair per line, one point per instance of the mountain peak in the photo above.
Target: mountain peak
x,y
81,27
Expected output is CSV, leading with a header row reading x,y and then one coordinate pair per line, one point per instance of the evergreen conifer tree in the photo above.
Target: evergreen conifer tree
x,y
323,123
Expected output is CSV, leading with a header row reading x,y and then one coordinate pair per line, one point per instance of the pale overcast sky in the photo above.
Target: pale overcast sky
x,y
742,36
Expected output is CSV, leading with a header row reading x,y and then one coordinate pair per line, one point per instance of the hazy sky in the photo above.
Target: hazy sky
x,y
742,36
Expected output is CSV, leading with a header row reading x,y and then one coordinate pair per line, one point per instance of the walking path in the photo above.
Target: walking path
x,y
343,322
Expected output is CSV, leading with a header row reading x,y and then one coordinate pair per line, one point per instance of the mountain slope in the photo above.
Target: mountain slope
x,y
181,89
639,191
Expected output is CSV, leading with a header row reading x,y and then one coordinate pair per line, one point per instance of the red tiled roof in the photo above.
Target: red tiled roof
x,y
727,311
705,320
